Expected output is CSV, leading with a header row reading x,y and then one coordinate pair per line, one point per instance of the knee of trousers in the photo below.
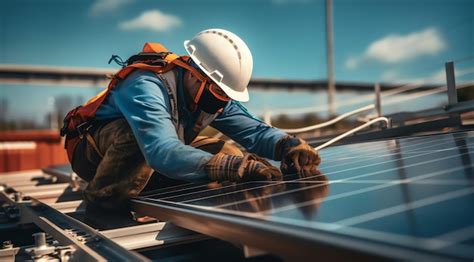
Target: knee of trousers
x,y
215,145
231,149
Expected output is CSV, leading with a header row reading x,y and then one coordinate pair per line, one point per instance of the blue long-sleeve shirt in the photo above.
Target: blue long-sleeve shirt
x,y
142,99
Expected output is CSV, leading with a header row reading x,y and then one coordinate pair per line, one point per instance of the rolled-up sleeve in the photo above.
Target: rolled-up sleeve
x,y
143,100
249,131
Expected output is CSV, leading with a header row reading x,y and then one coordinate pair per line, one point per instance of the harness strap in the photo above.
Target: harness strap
x,y
91,141
87,112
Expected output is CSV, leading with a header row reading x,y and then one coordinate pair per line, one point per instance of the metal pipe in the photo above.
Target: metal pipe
x,y
327,123
40,239
330,59
352,131
378,100
451,83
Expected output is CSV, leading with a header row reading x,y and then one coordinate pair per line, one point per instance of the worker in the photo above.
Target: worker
x,y
144,129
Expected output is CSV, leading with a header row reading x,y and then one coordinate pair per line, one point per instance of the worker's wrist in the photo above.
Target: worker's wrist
x,y
222,167
285,144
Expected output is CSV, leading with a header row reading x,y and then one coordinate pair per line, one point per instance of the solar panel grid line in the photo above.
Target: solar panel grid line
x,y
177,186
406,240
433,243
266,184
409,152
351,163
439,150
403,207
418,174
204,188
341,180
378,155
323,168
390,161
347,194
390,143
459,250
381,153
403,240
396,168
378,144
166,192
319,225
332,152
409,181
456,236
400,181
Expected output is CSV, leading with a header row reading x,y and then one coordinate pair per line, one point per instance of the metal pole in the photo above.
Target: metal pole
x,y
378,102
451,83
330,59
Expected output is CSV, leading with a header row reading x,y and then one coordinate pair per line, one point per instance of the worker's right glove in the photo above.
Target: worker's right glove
x,y
222,167
297,156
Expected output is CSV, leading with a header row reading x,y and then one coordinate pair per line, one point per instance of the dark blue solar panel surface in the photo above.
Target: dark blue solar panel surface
x,y
415,192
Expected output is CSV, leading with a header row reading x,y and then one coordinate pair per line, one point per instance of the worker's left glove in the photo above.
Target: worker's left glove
x,y
222,167
297,156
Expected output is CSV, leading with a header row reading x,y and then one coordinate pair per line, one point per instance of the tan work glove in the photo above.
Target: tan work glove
x,y
297,156
222,167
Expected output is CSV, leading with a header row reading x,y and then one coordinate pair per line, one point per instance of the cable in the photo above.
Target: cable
x,y
358,100
425,93
339,137
328,123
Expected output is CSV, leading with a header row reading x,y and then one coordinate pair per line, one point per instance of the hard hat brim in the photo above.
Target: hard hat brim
x,y
235,95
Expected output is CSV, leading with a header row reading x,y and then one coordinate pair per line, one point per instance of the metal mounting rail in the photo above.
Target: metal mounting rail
x,y
88,243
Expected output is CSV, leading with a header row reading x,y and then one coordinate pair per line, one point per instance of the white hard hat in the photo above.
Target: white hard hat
x,y
225,58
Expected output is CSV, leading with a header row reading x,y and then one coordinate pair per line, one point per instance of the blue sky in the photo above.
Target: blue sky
x,y
287,37
374,40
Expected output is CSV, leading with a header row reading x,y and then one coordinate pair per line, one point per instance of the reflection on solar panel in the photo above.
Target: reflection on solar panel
x,y
400,198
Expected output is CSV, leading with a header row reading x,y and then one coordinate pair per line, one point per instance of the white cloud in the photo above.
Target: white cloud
x,y
153,20
440,76
401,48
353,62
104,6
391,76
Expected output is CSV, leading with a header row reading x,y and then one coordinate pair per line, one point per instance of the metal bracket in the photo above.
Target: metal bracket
x,y
8,252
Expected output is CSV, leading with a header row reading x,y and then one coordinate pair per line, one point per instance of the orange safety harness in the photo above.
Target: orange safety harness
x,y
155,58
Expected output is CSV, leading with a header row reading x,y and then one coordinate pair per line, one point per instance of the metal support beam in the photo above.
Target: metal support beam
x,y
378,100
330,60
161,234
451,83
88,243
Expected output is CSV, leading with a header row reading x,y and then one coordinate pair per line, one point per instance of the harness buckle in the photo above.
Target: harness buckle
x,y
83,128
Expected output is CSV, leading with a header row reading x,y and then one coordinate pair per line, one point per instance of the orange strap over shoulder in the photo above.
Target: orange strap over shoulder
x,y
86,113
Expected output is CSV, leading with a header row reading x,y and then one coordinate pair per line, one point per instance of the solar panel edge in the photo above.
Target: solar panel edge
x,y
289,242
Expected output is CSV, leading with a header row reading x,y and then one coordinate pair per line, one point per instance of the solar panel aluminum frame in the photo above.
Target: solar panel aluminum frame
x,y
289,242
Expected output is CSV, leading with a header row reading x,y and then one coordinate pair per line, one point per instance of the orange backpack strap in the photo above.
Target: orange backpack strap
x,y
159,48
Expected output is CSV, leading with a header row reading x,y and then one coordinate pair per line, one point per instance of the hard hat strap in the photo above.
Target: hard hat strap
x,y
199,92
212,87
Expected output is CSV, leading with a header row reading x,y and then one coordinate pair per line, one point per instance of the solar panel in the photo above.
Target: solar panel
x,y
414,194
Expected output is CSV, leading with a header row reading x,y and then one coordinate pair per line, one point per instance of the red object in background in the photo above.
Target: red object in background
x,y
23,150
